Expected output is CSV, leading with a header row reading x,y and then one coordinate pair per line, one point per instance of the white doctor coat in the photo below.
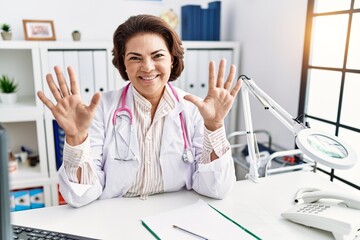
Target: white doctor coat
x,y
115,177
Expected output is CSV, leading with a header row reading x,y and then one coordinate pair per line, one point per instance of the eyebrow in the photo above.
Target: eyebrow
x,y
138,54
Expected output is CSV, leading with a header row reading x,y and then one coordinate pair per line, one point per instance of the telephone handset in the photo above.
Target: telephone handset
x,y
342,218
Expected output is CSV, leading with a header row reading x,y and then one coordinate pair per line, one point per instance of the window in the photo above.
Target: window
x,y
330,81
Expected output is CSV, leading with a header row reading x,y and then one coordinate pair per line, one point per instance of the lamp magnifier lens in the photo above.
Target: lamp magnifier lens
x,y
327,146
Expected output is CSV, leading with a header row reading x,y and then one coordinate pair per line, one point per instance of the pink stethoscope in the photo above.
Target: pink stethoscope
x,y
187,156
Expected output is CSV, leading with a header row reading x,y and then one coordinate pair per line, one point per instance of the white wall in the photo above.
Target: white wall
x,y
96,19
271,34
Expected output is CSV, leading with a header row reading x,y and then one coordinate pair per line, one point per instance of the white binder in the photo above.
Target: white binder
x,y
100,71
86,75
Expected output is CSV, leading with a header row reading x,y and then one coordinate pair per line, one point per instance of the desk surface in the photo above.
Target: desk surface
x,y
256,206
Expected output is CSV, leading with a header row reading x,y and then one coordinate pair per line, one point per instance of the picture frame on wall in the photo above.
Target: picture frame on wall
x,y
39,30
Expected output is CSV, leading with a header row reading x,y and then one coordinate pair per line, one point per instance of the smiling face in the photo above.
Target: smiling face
x,y
148,64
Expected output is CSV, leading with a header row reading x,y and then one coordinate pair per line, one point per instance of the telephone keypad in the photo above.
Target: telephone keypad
x,y
313,208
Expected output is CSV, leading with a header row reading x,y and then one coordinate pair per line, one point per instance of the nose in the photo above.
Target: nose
x,y
147,65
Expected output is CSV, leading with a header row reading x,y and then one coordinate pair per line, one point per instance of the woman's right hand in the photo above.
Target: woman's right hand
x,y
72,115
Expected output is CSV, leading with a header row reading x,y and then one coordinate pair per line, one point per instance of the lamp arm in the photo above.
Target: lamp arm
x,y
250,137
269,104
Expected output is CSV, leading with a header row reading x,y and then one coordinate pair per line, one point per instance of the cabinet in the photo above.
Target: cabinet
x,y
24,120
30,123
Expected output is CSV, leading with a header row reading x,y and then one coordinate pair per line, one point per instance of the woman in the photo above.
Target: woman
x,y
148,137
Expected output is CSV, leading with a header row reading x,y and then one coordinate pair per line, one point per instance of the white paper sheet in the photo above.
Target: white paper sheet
x,y
198,218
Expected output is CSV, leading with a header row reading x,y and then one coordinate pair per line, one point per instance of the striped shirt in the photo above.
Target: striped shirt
x,y
149,178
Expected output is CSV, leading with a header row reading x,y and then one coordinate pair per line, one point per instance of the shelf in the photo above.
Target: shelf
x,y
24,109
27,176
18,44
76,45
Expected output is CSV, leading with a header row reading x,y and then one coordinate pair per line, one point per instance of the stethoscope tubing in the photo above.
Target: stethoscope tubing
x,y
123,108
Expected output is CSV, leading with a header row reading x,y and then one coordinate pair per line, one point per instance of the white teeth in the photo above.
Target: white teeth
x,y
148,78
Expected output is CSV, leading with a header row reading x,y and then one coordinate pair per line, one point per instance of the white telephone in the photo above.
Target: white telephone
x,y
342,218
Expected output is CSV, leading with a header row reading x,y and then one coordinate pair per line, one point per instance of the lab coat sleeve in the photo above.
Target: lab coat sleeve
x,y
213,178
71,189
214,141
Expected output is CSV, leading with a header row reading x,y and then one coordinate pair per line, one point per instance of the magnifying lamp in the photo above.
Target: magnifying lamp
x,y
321,147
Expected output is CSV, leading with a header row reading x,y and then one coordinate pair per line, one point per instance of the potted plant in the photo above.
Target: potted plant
x,y
6,33
8,89
76,35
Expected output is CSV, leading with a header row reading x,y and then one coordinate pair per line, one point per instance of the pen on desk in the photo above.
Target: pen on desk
x,y
194,234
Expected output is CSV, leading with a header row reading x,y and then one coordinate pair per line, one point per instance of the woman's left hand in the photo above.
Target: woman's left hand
x,y
220,97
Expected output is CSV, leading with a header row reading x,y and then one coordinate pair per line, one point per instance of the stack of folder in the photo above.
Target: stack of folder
x,y
201,24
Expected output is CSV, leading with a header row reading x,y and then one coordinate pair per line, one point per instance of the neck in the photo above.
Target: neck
x,y
154,101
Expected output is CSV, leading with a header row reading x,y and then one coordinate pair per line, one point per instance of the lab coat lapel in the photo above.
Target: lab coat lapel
x,y
127,131
172,127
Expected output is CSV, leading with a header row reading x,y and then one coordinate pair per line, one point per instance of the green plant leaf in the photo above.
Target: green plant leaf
x,y
5,27
7,85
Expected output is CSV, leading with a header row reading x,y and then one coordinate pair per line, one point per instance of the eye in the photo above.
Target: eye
x,y
134,58
159,55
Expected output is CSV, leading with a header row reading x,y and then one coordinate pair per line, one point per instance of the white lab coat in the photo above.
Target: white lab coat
x,y
213,179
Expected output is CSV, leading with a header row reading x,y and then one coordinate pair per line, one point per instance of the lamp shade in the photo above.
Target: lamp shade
x,y
326,149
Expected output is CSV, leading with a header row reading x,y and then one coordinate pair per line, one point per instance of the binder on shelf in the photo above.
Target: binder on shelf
x,y
191,22
100,71
202,70
215,12
201,24
36,198
205,25
191,70
59,139
86,75
71,59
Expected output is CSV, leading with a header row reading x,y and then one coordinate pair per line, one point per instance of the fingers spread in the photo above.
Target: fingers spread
x,y
236,88
194,100
212,75
74,85
62,82
94,101
230,77
221,73
45,100
53,88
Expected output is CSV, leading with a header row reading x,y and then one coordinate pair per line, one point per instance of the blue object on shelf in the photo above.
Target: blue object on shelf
x,y
37,198
22,200
59,138
201,24
191,22
215,12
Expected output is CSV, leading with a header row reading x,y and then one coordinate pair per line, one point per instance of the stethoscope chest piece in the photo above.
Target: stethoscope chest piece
x,y
188,156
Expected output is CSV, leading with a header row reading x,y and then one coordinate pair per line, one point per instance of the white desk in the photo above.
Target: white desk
x,y
256,206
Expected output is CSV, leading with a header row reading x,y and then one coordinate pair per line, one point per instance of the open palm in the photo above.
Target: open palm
x,y
69,111
220,97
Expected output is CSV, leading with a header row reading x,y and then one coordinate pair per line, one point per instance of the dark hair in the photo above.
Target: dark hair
x,y
147,24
